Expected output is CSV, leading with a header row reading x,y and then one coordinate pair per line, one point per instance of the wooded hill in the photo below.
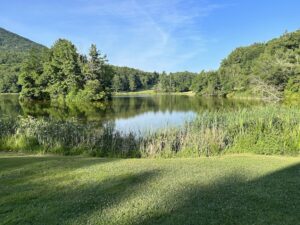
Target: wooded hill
x,y
266,70
13,50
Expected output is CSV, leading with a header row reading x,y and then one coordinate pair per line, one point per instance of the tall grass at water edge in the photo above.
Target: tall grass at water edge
x,y
268,130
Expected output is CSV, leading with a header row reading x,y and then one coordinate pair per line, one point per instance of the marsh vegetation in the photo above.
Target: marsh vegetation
x,y
205,127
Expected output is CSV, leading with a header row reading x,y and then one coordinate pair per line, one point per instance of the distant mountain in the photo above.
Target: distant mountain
x,y
13,42
13,50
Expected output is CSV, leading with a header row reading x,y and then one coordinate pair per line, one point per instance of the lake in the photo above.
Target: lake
x,y
138,114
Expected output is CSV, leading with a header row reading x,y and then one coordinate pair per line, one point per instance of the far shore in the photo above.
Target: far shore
x,y
153,92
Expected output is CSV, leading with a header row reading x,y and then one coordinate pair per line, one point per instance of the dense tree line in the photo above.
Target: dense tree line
x,y
207,83
9,77
176,82
17,52
61,73
129,79
264,69
261,69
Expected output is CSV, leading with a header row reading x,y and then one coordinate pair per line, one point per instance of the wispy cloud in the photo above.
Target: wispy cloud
x,y
148,34
156,34
152,34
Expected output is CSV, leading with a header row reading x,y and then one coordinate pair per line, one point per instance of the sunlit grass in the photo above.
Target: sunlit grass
x,y
153,92
233,189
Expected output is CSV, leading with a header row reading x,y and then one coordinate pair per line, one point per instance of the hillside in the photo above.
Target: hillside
x,y
13,49
264,70
10,41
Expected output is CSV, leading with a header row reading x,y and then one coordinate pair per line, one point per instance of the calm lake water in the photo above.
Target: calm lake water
x,y
138,114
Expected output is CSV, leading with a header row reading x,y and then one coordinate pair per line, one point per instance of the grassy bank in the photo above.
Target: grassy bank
x,y
240,189
152,92
269,130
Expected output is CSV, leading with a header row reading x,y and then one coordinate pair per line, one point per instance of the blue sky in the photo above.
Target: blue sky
x,y
170,35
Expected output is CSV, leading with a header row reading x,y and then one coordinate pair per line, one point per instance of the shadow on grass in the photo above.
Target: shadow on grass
x,y
272,199
8,163
36,202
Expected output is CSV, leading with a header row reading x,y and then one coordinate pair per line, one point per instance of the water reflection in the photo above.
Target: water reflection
x,y
139,113
151,121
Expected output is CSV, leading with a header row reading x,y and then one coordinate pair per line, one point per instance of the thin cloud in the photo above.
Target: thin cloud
x,y
157,34
150,35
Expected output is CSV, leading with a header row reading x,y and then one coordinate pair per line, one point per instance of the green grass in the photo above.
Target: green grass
x,y
152,92
270,130
243,189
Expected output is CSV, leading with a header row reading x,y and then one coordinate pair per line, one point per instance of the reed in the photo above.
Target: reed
x,y
263,130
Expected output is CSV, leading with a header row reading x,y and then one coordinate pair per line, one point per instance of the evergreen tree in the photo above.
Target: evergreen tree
x,y
31,76
98,77
63,70
99,69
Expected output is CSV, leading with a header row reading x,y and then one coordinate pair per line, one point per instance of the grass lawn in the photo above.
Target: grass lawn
x,y
237,189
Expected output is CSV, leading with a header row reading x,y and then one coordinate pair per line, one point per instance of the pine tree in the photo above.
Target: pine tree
x,y
99,69
63,70
98,78
31,76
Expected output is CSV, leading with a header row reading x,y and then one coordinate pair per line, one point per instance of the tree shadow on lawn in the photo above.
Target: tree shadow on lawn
x,y
49,203
273,199
9,164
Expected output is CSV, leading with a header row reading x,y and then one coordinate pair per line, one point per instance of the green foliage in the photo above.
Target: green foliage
x,y
62,74
117,83
65,137
129,79
270,130
31,77
176,82
9,78
13,51
207,83
63,70
274,64
256,70
246,71
93,91
11,41
98,69
98,77
292,90
236,70
262,130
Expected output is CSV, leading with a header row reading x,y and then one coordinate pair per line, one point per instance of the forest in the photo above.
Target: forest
x,y
14,50
61,73
268,70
